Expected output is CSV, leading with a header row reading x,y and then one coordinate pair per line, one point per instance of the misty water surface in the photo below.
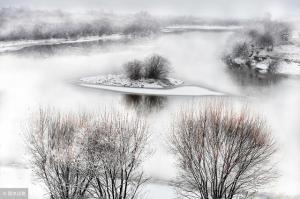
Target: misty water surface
x,y
43,76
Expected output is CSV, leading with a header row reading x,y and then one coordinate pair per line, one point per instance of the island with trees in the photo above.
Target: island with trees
x,y
153,72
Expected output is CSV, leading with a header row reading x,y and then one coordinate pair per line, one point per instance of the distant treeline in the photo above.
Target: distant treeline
x,y
23,24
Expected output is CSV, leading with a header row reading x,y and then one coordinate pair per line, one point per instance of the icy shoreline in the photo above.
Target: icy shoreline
x,y
120,83
180,28
177,91
121,80
286,59
18,45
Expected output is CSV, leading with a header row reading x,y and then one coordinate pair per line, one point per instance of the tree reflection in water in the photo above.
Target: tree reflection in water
x,y
145,103
247,78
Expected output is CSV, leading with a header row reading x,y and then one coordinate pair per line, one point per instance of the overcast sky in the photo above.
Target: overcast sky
x,y
209,8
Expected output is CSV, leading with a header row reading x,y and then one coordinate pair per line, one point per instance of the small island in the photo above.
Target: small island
x,y
153,72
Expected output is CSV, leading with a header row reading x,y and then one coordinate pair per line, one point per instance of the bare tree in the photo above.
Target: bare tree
x,y
81,156
56,158
241,50
114,149
221,153
134,69
157,67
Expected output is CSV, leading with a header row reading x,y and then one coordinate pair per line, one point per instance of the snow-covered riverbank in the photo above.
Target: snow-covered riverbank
x,y
122,81
289,56
168,87
6,46
182,28
178,91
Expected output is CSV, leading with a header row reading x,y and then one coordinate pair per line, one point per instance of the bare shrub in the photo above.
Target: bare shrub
x,y
134,69
241,50
221,153
154,67
157,67
79,156
56,160
114,149
265,40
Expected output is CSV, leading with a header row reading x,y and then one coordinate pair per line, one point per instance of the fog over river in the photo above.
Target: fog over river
x,y
43,76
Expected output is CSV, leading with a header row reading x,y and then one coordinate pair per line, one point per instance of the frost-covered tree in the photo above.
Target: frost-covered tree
x,y
114,149
157,67
134,69
221,153
79,156
56,157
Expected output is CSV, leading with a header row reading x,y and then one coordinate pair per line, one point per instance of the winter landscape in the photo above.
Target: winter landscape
x,y
161,100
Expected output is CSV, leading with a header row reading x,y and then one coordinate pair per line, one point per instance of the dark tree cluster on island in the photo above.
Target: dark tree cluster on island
x,y
154,67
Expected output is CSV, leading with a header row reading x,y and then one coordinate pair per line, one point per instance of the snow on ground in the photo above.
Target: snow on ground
x,y
12,177
288,56
123,81
291,55
200,27
295,34
291,51
120,83
177,91
291,68
18,45
158,191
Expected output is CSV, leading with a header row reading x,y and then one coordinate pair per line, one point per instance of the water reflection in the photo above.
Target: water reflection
x,y
26,84
145,103
245,77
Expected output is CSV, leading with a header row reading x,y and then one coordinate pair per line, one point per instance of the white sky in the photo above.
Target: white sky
x,y
207,8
